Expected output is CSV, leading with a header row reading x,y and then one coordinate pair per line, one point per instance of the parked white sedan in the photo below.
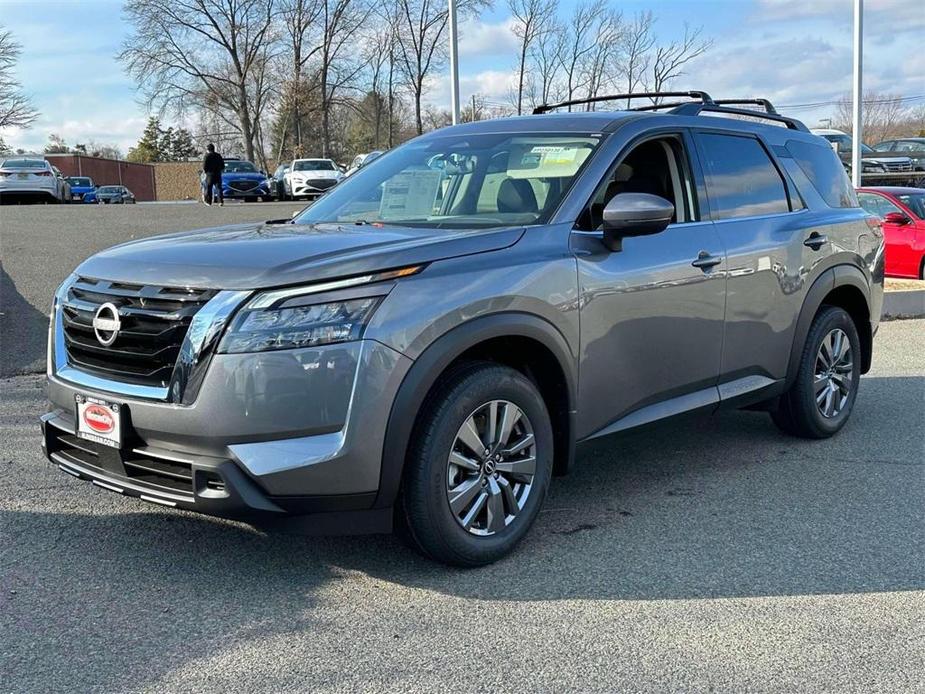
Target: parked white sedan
x,y
310,178
31,178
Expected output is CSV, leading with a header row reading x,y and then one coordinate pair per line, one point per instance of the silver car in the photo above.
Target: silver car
x,y
427,343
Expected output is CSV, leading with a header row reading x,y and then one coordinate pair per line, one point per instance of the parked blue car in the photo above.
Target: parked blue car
x,y
241,179
82,188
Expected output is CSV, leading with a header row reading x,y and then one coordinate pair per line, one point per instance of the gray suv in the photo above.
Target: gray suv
x,y
426,344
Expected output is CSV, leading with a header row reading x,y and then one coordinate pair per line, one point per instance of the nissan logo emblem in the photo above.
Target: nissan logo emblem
x,y
106,324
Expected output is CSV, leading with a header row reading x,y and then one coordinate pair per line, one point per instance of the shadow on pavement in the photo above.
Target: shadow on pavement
x,y
23,331
717,508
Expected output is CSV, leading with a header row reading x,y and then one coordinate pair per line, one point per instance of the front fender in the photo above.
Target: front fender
x,y
433,361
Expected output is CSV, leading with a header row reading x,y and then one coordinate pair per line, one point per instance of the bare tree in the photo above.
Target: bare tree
x,y
600,63
421,42
299,18
545,55
669,59
637,49
203,53
16,110
885,117
531,20
578,45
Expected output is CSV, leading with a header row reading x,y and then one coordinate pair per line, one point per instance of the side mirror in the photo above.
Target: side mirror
x,y
897,218
634,214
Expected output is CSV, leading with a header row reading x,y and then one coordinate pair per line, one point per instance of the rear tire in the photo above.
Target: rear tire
x,y
822,397
496,496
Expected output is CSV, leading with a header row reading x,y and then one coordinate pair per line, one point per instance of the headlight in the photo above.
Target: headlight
x,y
258,329
871,167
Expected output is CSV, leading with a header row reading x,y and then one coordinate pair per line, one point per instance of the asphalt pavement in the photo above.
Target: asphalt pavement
x,y
708,554
40,245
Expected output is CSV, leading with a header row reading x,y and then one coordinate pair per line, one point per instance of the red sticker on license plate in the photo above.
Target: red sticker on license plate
x,y
99,421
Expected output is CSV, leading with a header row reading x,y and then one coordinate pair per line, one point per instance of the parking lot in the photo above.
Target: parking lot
x,y
707,554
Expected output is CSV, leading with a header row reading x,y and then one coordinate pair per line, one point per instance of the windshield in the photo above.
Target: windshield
x,y
460,182
239,167
23,164
79,181
915,202
313,165
110,189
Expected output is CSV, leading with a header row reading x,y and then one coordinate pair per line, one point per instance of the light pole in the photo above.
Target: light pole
x,y
454,62
857,111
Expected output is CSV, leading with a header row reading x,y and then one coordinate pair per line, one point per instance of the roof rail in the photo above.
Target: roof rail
x,y
764,103
695,109
701,98
699,102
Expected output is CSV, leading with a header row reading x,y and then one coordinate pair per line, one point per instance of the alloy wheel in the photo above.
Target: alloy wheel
x,y
833,375
491,467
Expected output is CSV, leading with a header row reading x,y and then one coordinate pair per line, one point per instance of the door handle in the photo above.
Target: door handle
x,y
705,261
816,241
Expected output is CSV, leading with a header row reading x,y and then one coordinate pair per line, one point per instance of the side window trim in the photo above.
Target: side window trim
x,y
789,188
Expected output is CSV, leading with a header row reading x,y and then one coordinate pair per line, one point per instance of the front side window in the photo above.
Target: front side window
x,y
825,171
742,181
460,182
915,202
657,167
911,146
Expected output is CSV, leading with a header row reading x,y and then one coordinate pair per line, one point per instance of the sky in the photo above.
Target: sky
x,y
794,52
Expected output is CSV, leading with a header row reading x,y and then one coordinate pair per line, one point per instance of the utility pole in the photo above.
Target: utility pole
x,y
454,62
857,111
473,108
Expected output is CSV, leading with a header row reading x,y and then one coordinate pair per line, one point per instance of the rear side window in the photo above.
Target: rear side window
x,y
742,181
825,171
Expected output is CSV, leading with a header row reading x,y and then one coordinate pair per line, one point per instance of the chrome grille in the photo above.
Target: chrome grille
x,y
154,321
898,166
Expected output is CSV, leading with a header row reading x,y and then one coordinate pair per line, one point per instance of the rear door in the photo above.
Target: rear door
x,y
758,217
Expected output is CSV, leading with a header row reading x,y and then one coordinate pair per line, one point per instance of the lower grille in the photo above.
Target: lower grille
x,y
243,186
153,322
320,183
135,466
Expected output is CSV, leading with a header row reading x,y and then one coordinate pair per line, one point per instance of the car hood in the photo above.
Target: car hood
x,y
244,174
313,174
253,256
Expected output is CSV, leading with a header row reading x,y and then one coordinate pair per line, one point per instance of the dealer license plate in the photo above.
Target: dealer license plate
x,y
99,421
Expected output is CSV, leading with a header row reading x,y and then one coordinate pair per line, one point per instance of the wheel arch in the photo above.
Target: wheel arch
x,y
523,341
844,286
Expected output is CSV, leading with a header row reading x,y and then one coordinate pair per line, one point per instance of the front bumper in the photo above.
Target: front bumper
x,y
269,437
258,191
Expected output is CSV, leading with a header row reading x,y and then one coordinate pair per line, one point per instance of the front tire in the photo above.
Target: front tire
x,y
821,399
479,465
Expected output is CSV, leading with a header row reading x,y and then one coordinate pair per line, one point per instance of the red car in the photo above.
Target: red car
x,y
903,213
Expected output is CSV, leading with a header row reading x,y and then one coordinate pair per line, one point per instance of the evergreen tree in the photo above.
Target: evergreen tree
x,y
148,148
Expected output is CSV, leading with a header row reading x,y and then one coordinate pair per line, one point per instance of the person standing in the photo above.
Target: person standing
x,y
212,165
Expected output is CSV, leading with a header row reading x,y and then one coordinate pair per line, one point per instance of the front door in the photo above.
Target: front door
x,y
652,313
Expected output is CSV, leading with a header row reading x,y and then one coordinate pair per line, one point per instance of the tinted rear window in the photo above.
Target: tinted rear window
x,y
23,164
826,172
76,181
742,181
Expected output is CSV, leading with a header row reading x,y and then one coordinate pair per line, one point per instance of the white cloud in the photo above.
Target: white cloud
x,y
485,39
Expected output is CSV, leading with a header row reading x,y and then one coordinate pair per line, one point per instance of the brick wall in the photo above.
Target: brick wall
x,y
138,178
177,180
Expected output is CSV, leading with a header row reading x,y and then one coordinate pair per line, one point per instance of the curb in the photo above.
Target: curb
x,y
908,303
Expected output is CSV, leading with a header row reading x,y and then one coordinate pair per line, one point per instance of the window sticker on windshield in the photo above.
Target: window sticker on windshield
x,y
410,194
556,155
